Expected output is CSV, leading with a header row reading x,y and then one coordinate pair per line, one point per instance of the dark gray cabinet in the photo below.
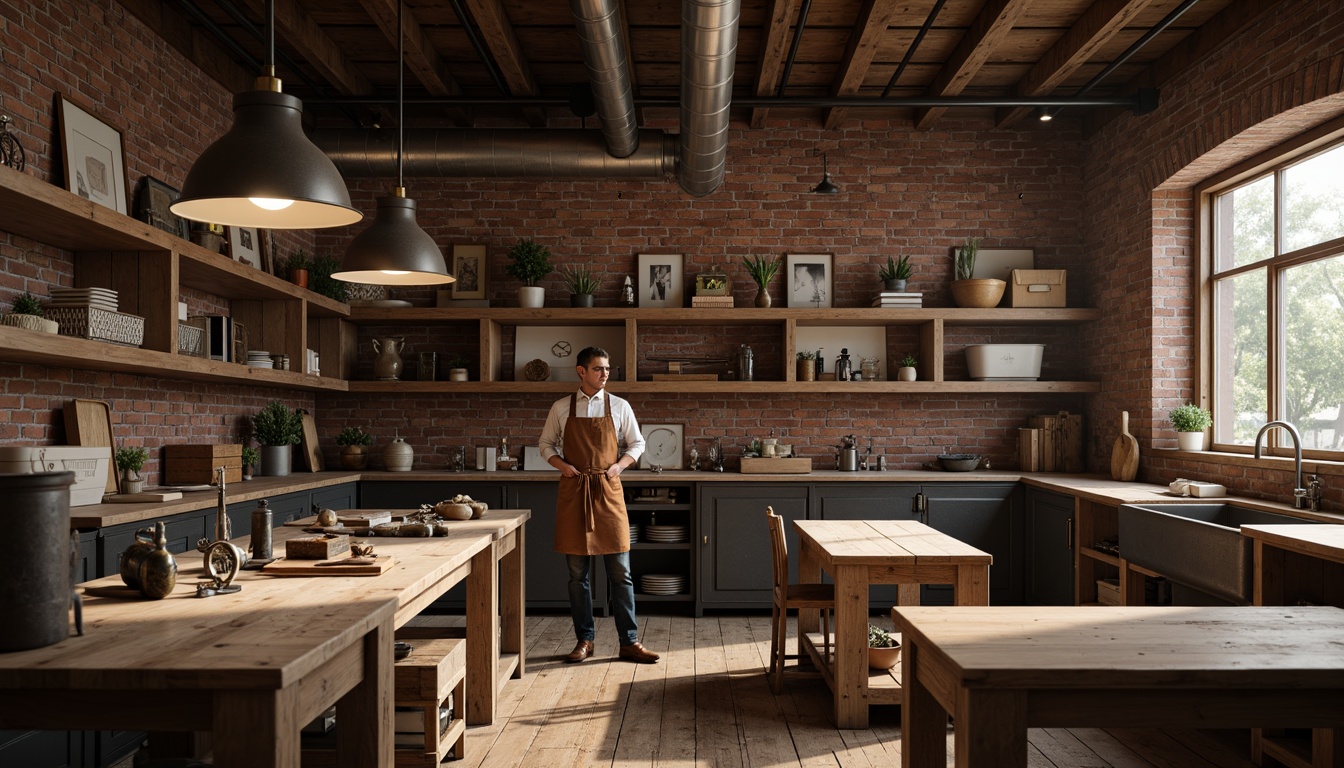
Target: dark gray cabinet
x,y
734,558
547,575
45,749
411,494
1049,548
988,516
868,501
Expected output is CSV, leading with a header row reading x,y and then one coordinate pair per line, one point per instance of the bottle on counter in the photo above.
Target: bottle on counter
x,y
844,367
745,363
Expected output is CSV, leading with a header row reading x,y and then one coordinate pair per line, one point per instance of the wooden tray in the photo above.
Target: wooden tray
x,y
798,466
89,423
286,567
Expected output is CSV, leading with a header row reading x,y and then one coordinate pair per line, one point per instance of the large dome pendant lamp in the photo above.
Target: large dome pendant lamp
x,y
394,250
265,172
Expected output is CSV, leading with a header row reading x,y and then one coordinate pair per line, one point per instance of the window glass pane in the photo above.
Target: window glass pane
x,y
1314,351
1245,224
1313,200
1239,354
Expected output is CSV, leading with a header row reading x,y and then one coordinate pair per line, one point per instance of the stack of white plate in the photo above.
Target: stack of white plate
x,y
662,584
666,534
634,533
98,298
259,359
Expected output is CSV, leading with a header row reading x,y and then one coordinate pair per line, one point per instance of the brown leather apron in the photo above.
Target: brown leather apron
x,y
590,516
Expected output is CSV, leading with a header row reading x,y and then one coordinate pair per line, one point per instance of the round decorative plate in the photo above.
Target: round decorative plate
x,y
537,370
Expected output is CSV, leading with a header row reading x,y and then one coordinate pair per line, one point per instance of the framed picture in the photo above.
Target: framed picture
x,y
809,279
152,207
94,159
662,446
471,270
245,245
659,280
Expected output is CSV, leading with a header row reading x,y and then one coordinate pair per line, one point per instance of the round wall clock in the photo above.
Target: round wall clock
x,y
662,446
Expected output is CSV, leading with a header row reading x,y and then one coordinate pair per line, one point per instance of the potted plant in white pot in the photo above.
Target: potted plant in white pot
x,y
884,650
530,263
130,460
979,293
1190,421
26,313
251,461
353,441
458,367
582,284
762,269
276,428
895,274
907,371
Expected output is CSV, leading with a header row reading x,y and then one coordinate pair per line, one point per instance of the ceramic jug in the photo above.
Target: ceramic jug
x,y
387,366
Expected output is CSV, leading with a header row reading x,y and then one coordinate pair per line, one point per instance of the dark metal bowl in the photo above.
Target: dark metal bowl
x,y
959,462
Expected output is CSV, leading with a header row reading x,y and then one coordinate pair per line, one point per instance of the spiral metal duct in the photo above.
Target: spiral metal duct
x,y
599,25
708,48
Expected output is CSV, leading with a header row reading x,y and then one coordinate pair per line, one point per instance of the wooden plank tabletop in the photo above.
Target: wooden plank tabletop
x,y
1323,541
885,542
1133,647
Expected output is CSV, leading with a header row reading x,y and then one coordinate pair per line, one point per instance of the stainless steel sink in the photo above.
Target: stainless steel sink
x,y
1198,545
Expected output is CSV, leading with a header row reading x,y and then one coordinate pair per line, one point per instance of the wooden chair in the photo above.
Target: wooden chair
x,y
788,596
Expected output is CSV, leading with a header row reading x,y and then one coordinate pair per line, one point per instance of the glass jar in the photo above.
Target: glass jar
x,y
869,367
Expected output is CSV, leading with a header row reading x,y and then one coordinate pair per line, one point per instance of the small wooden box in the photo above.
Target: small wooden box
x,y
428,674
1108,591
316,547
195,464
761,466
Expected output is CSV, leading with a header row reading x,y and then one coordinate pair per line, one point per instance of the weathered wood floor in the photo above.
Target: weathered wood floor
x,y
707,703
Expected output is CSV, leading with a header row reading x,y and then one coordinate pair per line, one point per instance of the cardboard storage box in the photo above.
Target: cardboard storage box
x,y
90,465
1037,288
195,464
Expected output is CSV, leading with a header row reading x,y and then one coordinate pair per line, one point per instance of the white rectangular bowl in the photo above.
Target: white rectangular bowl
x,y
1004,362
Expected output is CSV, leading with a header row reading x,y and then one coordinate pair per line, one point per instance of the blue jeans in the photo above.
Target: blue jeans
x,y
622,596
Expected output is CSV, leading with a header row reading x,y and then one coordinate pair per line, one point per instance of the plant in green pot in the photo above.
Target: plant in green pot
x,y
884,650
582,284
26,313
130,460
353,441
895,273
251,461
276,428
530,263
1190,421
762,270
976,293
908,370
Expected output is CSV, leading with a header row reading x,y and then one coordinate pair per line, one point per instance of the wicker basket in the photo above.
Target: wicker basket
x,y
99,325
190,340
31,323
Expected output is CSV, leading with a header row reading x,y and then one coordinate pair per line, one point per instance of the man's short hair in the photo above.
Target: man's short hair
x,y
588,353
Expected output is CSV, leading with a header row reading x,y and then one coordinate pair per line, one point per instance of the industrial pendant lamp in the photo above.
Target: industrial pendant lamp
x,y
394,250
265,172
825,186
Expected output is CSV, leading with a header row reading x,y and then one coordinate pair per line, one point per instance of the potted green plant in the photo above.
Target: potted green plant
x,y
907,371
26,313
130,460
1190,421
978,293
582,284
762,269
807,366
297,266
353,441
530,263
895,273
320,280
251,461
276,428
884,650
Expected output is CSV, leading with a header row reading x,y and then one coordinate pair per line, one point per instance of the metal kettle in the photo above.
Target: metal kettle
x,y
847,456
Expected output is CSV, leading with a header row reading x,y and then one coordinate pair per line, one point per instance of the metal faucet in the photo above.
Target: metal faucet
x,y
1300,494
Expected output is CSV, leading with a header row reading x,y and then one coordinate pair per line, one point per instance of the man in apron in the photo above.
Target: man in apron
x,y
581,439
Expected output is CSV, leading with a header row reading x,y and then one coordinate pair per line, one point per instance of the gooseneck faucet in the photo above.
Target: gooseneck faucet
x,y
1299,492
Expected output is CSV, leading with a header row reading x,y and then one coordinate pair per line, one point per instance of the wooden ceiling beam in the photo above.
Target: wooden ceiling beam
x,y
508,53
1098,24
770,63
869,29
421,56
200,48
299,30
991,26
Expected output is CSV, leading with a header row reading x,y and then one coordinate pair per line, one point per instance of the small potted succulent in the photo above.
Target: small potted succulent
x,y
457,366
762,269
907,371
1190,421
26,313
530,263
807,366
582,284
978,293
251,461
277,428
353,441
130,460
895,273
884,650
297,267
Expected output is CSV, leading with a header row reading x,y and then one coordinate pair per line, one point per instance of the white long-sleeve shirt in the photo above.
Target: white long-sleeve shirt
x,y
552,441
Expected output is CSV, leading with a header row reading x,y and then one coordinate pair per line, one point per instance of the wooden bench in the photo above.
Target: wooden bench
x,y
435,669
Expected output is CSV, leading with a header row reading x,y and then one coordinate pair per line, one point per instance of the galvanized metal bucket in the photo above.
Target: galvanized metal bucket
x,y
35,573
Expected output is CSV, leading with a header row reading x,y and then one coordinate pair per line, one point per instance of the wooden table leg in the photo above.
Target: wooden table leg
x,y
972,587
511,581
991,728
923,719
256,729
482,638
809,572
369,706
851,646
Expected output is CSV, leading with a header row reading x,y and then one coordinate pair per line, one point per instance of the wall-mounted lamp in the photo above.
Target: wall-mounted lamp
x,y
825,186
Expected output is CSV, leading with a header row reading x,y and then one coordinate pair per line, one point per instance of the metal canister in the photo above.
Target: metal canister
x,y
261,531
35,571
745,363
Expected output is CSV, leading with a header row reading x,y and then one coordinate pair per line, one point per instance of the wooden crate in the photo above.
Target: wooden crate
x,y
195,464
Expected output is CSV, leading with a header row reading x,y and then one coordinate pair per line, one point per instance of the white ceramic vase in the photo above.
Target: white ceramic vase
x,y
532,297
1190,441
398,456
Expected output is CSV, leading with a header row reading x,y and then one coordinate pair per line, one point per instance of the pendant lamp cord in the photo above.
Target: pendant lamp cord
x,y
401,99
270,38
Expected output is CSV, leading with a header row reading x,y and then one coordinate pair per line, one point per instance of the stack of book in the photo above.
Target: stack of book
x,y
898,299
712,301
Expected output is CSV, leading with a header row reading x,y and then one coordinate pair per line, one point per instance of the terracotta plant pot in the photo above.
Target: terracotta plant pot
x,y
883,658
978,294
299,277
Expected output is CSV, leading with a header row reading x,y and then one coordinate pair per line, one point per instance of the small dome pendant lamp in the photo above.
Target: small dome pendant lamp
x,y
394,250
825,186
265,172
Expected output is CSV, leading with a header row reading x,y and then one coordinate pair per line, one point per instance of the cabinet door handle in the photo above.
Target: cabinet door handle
x,y
706,541
1069,529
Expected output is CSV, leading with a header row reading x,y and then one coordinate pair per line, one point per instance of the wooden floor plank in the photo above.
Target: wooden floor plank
x,y
718,739
676,748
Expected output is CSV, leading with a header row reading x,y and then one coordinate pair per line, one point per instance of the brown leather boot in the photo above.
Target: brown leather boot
x,y
583,650
638,654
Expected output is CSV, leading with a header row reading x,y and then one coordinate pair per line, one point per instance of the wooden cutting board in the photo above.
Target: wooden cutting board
x,y
1125,453
312,453
89,423
286,567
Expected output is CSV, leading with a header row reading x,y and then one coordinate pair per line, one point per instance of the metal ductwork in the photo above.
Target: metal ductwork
x,y
501,153
708,49
599,25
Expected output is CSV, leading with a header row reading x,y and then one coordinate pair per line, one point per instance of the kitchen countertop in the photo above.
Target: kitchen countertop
x,y
1323,541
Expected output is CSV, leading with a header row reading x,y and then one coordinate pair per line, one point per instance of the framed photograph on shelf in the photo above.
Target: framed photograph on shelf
x,y
471,269
152,203
662,446
660,281
93,156
245,245
809,279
